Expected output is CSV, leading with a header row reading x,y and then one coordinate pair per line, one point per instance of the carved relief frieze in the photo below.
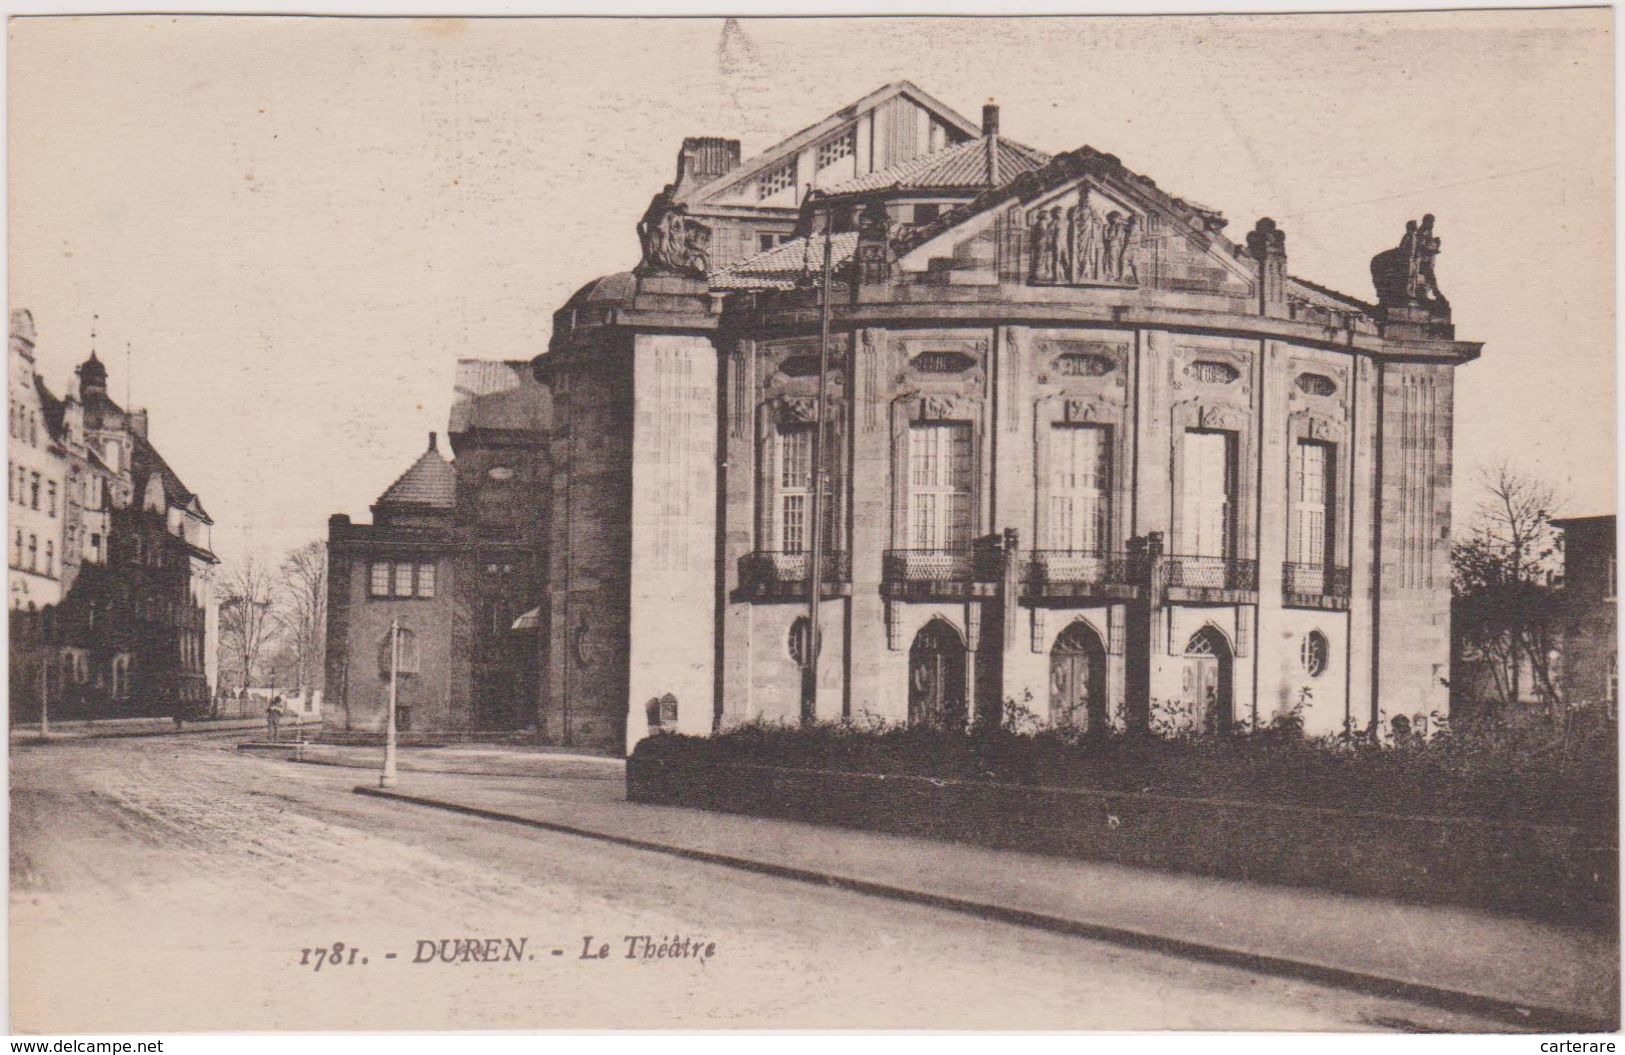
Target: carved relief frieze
x,y
945,407
1204,413
803,410
1084,239
1313,425
1081,411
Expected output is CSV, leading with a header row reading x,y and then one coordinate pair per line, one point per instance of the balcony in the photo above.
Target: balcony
x,y
1223,580
771,575
1065,575
1315,586
939,574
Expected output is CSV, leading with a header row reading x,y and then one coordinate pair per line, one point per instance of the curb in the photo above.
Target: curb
x,y
1533,1019
196,729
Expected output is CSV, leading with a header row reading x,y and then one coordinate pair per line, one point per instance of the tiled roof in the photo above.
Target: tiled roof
x,y
496,394
429,482
52,406
145,460
958,167
781,266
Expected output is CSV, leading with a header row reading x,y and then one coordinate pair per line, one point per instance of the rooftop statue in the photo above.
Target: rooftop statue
x,y
673,242
1404,275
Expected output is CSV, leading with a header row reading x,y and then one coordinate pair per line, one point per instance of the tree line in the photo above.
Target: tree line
x,y
273,621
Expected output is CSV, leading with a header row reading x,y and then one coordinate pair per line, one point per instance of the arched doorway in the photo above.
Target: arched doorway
x,y
1207,681
1077,679
936,677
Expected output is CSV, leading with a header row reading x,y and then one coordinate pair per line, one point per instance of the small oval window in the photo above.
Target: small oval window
x,y
1315,653
1317,385
1213,373
500,472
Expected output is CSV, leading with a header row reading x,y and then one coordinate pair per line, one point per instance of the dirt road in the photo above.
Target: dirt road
x,y
168,884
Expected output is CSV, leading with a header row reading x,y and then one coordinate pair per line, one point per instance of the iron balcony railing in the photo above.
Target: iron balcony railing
x,y
1315,580
781,567
938,565
1210,573
1080,567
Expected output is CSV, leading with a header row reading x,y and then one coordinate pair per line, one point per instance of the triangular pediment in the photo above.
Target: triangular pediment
x,y
1084,220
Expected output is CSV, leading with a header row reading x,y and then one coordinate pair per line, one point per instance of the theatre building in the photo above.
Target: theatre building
x,y
1084,451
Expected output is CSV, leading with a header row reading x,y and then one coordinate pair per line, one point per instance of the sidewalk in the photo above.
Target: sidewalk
x,y
1530,974
468,761
117,727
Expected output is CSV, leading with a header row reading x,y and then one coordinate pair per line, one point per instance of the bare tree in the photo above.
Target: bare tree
x,y
247,616
302,614
1506,609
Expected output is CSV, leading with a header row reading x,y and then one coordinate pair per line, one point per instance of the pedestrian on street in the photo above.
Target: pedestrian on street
x,y
273,716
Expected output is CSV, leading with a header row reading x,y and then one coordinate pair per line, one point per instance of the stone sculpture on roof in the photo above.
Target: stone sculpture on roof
x,y
1404,275
673,242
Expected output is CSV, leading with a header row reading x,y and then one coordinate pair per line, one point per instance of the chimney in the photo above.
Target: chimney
x,y
990,118
704,158
431,442
1267,244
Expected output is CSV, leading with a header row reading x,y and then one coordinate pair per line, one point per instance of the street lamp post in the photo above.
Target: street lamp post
x,y
387,778
44,696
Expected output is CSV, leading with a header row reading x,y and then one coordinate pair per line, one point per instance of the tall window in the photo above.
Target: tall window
x,y
50,557
33,553
50,497
1209,485
939,486
33,490
1311,502
403,580
1079,488
794,477
425,580
378,585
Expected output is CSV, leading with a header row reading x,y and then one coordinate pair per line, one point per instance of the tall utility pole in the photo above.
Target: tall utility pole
x,y
815,563
387,778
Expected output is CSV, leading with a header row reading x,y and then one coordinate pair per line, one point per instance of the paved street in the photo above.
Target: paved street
x,y
170,884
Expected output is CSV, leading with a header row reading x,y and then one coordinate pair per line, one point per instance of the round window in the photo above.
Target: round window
x,y
798,641
1315,653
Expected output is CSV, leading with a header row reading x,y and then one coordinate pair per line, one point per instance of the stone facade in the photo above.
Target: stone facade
x,y
1085,455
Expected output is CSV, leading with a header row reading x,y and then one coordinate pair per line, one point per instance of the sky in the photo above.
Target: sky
x,y
296,226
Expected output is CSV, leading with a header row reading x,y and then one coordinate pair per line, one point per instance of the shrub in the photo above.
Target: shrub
x,y
1536,774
